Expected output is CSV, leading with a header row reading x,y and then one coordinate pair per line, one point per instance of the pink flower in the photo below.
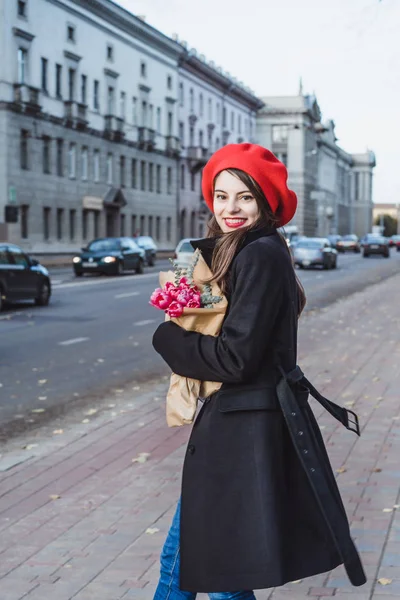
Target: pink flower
x,y
160,299
169,286
184,282
194,302
175,309
183,297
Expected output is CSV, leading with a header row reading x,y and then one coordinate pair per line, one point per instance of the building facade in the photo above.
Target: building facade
x,y
105,125
334,188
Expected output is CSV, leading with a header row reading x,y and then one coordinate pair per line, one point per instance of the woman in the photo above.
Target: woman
x,y
260,506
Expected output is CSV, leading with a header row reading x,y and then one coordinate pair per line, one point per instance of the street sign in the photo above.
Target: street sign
x,y
12,195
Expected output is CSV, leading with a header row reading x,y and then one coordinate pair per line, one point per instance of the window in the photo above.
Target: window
x,y
22,65
170,125
44,62
201,105
280,133
181,94
142,175
58,81
122,105
21,8
150,227
72,161
158,179
232,121
122,171
109,168
96,99
18,257
191,98
24,149
191,136
96,215
201,138
133,225
110,100
151,115
151,177
84,163
46,222
182,177
84,224
182,134
122,225
72,224
134,173
24,221
60,223
158,120
193,224
110,52
96,166
142,232
209,109
169,82
240,123
71,84
218,114
60,158
143,69
134,111
144,113
356,186
169,222
83,88
224,119
46,155
71,33
217,143
169,180
158,228
192,181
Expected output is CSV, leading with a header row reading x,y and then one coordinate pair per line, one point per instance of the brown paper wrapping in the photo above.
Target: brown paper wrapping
x,y
183,392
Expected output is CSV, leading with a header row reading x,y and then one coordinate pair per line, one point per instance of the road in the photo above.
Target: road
x,y
95,336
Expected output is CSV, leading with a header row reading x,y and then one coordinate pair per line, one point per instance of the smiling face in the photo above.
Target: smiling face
x,y
234,204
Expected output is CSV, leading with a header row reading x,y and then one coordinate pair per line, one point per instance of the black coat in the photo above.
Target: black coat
x,y
260,505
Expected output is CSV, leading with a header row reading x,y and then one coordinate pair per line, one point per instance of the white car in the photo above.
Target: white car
x,y
184,252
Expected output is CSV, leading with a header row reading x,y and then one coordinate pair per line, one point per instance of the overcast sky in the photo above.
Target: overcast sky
x,y
346,51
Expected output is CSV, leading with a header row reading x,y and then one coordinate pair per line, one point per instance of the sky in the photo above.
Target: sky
x,y
347,53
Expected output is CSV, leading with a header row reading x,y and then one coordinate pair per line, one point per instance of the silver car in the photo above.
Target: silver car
x,y
309,252
184,252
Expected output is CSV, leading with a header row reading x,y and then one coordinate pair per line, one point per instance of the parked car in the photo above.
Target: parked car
x,y
376,244
334,240
149,246
315,251
184,252
349,243
110,256
396,242
22,277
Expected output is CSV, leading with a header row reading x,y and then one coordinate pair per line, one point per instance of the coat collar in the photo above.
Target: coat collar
x,y
207,245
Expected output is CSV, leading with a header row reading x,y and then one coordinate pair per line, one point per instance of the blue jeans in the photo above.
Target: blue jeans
x,y
168,585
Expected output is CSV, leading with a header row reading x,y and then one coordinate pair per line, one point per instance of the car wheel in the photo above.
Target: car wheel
x,y
43,297
151,262
140,268
365,255
386,255
78,273
1,300
120,268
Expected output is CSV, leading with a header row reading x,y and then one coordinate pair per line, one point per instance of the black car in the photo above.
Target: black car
x,y
22,277
375,244
349,243
150,248
309,252
109,256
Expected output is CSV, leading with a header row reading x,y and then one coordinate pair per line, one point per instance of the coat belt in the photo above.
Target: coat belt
x,y
311,451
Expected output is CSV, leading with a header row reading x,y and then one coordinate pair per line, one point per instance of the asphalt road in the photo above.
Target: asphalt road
x,y
95,336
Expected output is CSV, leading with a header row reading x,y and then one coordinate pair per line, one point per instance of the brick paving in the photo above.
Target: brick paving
x,y
86,502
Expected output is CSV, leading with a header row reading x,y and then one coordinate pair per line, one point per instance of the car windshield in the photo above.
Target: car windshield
x,y
396,238
350,238
145,241
186,247
309,244
106,245
375,240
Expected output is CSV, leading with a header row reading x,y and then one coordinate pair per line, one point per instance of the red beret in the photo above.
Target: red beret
x,y
269,172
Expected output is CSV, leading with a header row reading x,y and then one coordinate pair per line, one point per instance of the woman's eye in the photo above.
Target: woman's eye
x,y
247,198
220,197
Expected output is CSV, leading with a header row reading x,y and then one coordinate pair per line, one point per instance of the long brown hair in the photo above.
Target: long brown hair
x,y
229,243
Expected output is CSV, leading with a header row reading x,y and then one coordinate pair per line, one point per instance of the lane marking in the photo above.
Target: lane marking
x,y
73,341
102,281
145,322
127,295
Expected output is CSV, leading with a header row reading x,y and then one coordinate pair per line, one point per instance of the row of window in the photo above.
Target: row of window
x,y
66,224
144,175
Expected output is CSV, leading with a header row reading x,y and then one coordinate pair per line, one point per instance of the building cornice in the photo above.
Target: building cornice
x,y
111,73
72,56
25,35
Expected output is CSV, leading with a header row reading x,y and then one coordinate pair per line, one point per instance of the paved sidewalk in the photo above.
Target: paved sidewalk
x,y
86,502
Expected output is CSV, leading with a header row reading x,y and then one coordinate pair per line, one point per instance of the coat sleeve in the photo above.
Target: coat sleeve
x,y
236,354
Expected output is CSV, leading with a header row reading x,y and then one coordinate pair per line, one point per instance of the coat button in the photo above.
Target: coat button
x,y
191,449
300,433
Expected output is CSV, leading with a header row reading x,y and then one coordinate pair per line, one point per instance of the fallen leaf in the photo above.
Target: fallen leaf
x,y
375,379
141,458
38,410
387,510
91,411
341,470
86,421
29,446
54,496
42,381
376,470
349,403
384,581
58,431
152,530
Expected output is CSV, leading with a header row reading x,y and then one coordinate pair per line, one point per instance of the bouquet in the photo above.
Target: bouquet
x,y
194,306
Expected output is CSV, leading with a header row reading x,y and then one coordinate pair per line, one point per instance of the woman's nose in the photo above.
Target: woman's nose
x,y
232,206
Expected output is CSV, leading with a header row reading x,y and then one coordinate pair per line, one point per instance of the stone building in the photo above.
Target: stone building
x,y
105,125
